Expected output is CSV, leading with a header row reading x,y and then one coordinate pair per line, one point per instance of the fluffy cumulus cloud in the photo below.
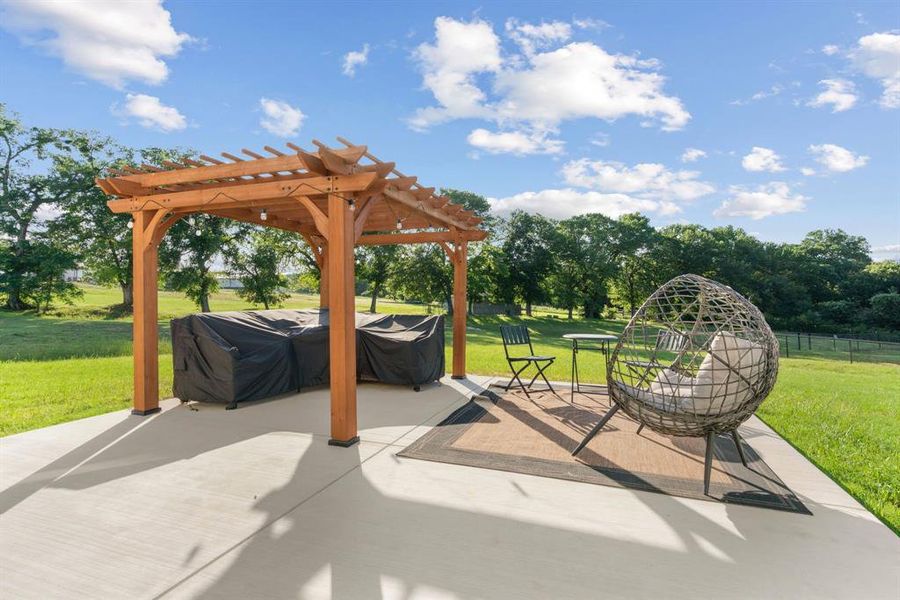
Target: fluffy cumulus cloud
x,y
550,80
836,158
567,202
280,118
150,113
878,56
692,155
646,180
355,59
774,198
762,159
610,188
110,41
532,37
514,142
830,50
839,94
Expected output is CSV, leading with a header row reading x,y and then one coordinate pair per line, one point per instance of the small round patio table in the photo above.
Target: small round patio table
x,y
586,341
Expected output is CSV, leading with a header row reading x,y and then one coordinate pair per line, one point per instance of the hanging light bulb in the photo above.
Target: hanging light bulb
x,y
399,224
352,205
191,221
263,215
130,224
198,233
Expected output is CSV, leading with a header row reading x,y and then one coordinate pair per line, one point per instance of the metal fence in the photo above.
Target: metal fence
x,y
838,348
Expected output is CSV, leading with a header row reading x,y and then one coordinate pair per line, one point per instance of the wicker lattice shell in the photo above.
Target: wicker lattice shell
x,y
697,357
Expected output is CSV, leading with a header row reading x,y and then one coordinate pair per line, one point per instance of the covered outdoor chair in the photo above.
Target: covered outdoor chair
x,y
517,335
710,381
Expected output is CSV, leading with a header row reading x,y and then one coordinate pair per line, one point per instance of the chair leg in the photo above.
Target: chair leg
x,y
515,377
740,448
544,377
707,468
595,430
641,427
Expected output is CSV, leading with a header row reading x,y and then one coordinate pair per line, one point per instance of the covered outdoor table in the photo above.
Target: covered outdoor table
x,y
241,356
586,341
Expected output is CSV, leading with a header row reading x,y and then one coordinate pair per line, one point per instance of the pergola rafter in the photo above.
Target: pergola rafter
x,y
334,198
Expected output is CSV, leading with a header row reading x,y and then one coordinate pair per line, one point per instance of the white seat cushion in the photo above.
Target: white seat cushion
x,y
725,379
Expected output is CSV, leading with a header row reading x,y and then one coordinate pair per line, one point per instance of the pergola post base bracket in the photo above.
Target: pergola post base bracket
x,y
344,443
144,413
457,377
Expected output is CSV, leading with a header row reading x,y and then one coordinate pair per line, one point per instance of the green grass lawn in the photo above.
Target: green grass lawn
x,y
76,362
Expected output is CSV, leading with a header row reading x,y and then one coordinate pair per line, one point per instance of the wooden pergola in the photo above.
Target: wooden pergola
x,y
332,198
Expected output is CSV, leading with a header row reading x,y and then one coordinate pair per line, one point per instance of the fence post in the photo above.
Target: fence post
x,y
787,348
799,347
850,344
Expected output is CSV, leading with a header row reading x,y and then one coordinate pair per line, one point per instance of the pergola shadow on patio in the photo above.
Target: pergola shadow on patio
x,y
257,507
332,199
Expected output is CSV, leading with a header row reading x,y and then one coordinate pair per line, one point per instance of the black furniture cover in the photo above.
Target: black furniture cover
x,y
240,356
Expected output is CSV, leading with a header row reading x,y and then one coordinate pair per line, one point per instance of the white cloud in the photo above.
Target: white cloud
x,y
892,249
774,198
567,202
461,51
533,92
355,59
839,93
837,159
647,180
151,113
806,171
514,142
878,56
692,155
589,23
830,50
762,159
280,118
110,41
532,37
761,95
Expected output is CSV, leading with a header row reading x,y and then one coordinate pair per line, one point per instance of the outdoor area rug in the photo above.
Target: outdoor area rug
x,y
536,436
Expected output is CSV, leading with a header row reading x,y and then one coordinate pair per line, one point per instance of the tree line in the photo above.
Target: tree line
x,y
54,219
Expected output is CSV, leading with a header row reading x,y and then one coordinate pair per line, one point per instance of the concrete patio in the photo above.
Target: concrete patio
x,y
253,503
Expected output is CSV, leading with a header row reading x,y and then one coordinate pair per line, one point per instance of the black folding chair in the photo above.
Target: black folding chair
x,y
517,335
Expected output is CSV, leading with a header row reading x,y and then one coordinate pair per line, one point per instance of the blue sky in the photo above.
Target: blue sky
x,y
775,117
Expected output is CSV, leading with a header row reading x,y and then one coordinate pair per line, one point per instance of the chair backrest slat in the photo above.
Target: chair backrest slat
x,y
515,335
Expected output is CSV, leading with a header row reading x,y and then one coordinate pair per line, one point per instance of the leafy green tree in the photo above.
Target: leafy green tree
x,y
886,310
636,277
526,246
260,263
423,273
187,252
31,181
830,259
374,264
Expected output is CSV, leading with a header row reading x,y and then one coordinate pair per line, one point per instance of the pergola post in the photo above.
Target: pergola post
x,y
323,277
460,305
146,344
342,321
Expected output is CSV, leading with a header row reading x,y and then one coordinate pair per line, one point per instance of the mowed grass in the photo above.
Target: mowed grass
x,y
76,362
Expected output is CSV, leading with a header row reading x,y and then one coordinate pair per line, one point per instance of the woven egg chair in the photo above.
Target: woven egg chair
x,y
697,359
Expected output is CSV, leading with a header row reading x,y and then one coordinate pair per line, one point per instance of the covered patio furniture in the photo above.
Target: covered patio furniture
x,y
517,335
708,384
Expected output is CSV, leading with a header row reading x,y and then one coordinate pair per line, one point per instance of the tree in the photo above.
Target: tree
x,y
260,264
187,252
374,264
636,277
831,259
527,251
423,273
31,181
886,310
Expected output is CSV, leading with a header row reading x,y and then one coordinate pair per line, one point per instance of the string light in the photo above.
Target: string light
x,y
130,224
263,215
399,224
352,205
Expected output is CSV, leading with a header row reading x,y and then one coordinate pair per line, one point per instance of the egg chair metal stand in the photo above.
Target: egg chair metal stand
x,y
696,360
